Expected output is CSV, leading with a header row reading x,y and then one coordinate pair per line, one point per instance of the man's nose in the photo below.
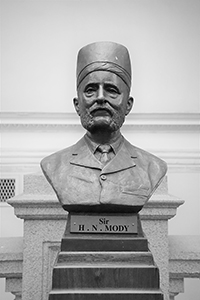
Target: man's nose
x,y
100,94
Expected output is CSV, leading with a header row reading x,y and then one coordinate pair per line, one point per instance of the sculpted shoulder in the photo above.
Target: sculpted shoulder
x,y
154,166
55,161
144,156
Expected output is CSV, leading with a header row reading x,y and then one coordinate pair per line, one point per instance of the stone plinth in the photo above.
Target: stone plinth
x,y
115,265
184,262
44,225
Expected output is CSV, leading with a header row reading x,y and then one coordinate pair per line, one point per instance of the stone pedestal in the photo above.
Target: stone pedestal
x,y
44,226
105,266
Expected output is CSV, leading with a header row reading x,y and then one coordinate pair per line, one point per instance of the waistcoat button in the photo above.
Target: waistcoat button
x,y
103,177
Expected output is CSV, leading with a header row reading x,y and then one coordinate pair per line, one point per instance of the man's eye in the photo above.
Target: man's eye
x,y
90,90
112,90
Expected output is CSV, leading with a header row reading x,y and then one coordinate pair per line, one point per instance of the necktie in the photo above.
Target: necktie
x,y
104,149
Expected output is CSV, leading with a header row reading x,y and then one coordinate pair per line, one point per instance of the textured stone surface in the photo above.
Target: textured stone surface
x,y
176,285
36,233
157,234
14,285
37,184
50,251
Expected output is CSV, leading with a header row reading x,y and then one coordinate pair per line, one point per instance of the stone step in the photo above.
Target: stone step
x,y
110,276
101,294
136,258
118,243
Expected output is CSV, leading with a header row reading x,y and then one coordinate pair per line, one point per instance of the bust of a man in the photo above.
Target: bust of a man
x,y
103,172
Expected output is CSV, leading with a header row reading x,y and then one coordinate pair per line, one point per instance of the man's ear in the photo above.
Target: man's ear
x,y
76,105
129,105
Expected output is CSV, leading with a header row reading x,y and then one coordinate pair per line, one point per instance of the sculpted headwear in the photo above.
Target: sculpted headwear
x,y
104,56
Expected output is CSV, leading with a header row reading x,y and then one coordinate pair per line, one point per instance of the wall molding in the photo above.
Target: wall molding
x,y
136,121
22,158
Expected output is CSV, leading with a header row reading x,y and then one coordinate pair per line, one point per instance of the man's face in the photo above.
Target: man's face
x,y
103,101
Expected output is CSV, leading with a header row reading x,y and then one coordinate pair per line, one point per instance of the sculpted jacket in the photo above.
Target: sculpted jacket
x,y
124,184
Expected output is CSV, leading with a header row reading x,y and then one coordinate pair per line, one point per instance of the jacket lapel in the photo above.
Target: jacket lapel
x,y
122,161
82,156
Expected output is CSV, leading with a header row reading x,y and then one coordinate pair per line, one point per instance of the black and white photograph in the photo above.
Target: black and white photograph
x,y
100,150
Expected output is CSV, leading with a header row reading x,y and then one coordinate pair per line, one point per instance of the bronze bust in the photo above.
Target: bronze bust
x,y
103,172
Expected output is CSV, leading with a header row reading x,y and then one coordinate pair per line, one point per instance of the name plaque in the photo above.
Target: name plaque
x,y
103,223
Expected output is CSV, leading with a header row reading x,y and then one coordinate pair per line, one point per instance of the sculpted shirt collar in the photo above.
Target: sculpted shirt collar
x,y
93,146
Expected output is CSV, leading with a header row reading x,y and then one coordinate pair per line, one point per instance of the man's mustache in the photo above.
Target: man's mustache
x,y
101,107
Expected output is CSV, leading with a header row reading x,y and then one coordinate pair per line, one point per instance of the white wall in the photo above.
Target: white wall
x,y
40,40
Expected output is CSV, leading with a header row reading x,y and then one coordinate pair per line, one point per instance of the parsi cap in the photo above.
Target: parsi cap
x,y
104,56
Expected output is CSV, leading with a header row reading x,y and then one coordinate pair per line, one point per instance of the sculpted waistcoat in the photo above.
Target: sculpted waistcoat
x,y
124,184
